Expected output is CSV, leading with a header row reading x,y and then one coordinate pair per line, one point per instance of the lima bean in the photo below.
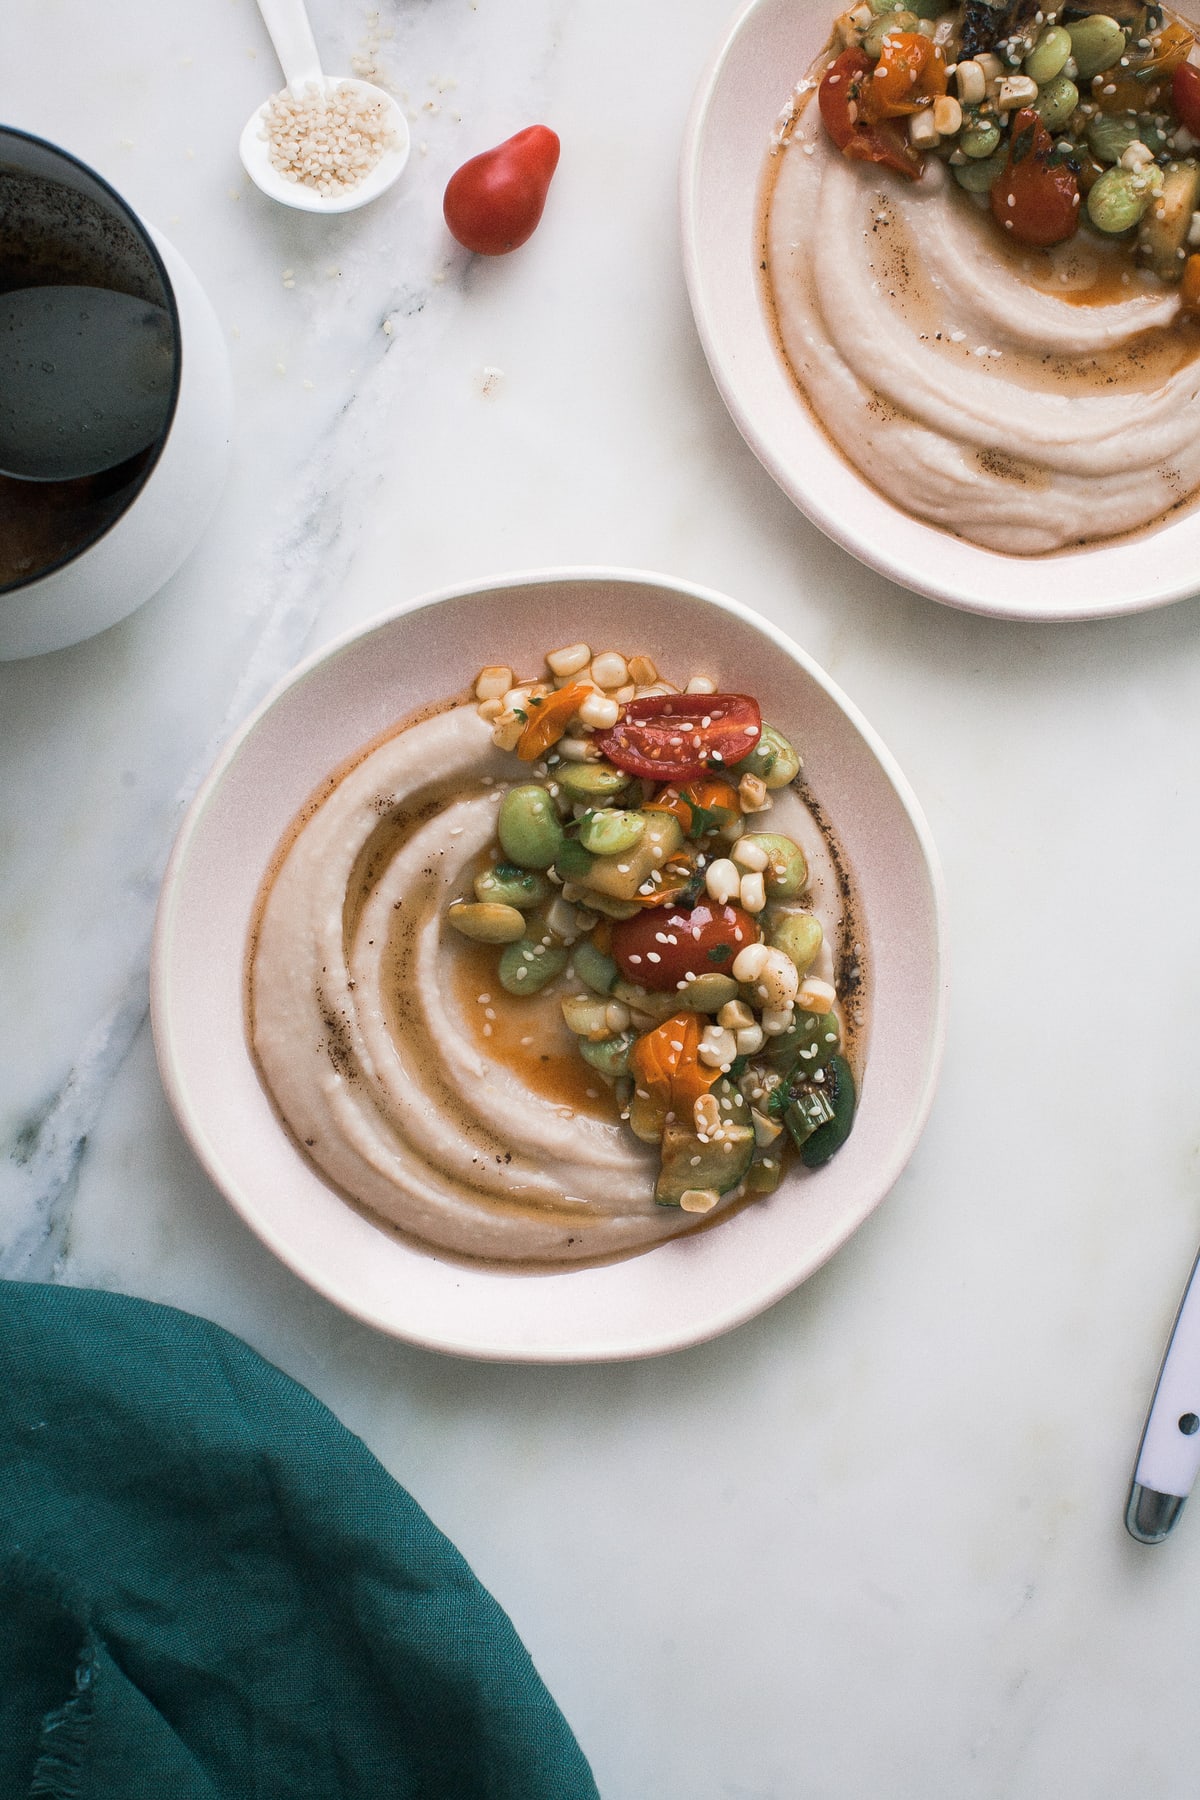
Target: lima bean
x,y
1097,43
895,20
786,873
1109,135
979,138
1056,102
708,993
978,177
508,885
1049,55
772,759
610,831
528,827
487,923
591,780
594,968
798,935
1117,200
527,967
610,1056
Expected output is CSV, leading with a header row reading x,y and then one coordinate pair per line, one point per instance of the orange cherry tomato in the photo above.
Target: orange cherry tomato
x,y
1189,292
706,802
1034,200
840,98
548,718
666,1065
493,203
910,73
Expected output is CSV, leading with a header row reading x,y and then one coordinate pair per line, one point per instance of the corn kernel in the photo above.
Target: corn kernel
x,y
569,660
947,115
700,684
922,132
749,855
718,1047
698,1200
735,1015
706,1114
753,892
752,792
722,881
506,730
816,996
490,709
765,1130
777,1020
1015,91
750,1039
748,963
493,682
777,981
609,670
641,669
971,82
599,712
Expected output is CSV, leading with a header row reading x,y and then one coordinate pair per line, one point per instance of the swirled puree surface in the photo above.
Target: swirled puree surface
x,y
426,1094
1026,399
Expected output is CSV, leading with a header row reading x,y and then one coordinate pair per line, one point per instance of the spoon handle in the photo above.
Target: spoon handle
x,y
291,34
1169,1455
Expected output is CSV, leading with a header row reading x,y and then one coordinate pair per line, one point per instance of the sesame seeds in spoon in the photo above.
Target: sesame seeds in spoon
x,y
324,144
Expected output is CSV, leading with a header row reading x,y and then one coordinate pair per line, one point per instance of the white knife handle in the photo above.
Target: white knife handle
x,y
1169,1458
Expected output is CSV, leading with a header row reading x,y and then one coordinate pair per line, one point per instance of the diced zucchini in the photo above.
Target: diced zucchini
x,y
830,1138
806,1110
621,876
689,1162
1162,234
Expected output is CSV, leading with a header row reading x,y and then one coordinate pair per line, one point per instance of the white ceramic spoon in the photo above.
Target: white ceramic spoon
x,y
287,23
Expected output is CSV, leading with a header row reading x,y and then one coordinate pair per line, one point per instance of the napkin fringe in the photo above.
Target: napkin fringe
x,y
65,1736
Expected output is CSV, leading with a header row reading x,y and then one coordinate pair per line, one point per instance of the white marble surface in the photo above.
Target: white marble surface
x,y
871,1542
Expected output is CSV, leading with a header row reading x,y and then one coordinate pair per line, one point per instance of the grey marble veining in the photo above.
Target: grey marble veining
x,y
872,1541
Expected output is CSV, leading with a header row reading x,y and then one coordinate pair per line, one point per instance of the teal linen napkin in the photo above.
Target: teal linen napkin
x,y
211,1590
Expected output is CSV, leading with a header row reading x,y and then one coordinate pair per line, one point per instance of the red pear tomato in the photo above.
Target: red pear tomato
x,y
1034,200
493,203
659,948
1185,96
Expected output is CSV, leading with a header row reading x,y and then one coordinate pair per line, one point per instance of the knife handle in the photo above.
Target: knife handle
x,y
1169,1455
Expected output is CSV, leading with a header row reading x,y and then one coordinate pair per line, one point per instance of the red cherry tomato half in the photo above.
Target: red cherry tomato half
x,y
659,948
840,98
1034,200
493,203
1185,96
673,737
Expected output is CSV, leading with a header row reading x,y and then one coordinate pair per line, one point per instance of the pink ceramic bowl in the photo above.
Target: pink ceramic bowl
x,y
770,46
683,1291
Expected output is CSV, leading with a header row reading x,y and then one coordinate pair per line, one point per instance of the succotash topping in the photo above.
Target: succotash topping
x,y
636,863
1053,119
